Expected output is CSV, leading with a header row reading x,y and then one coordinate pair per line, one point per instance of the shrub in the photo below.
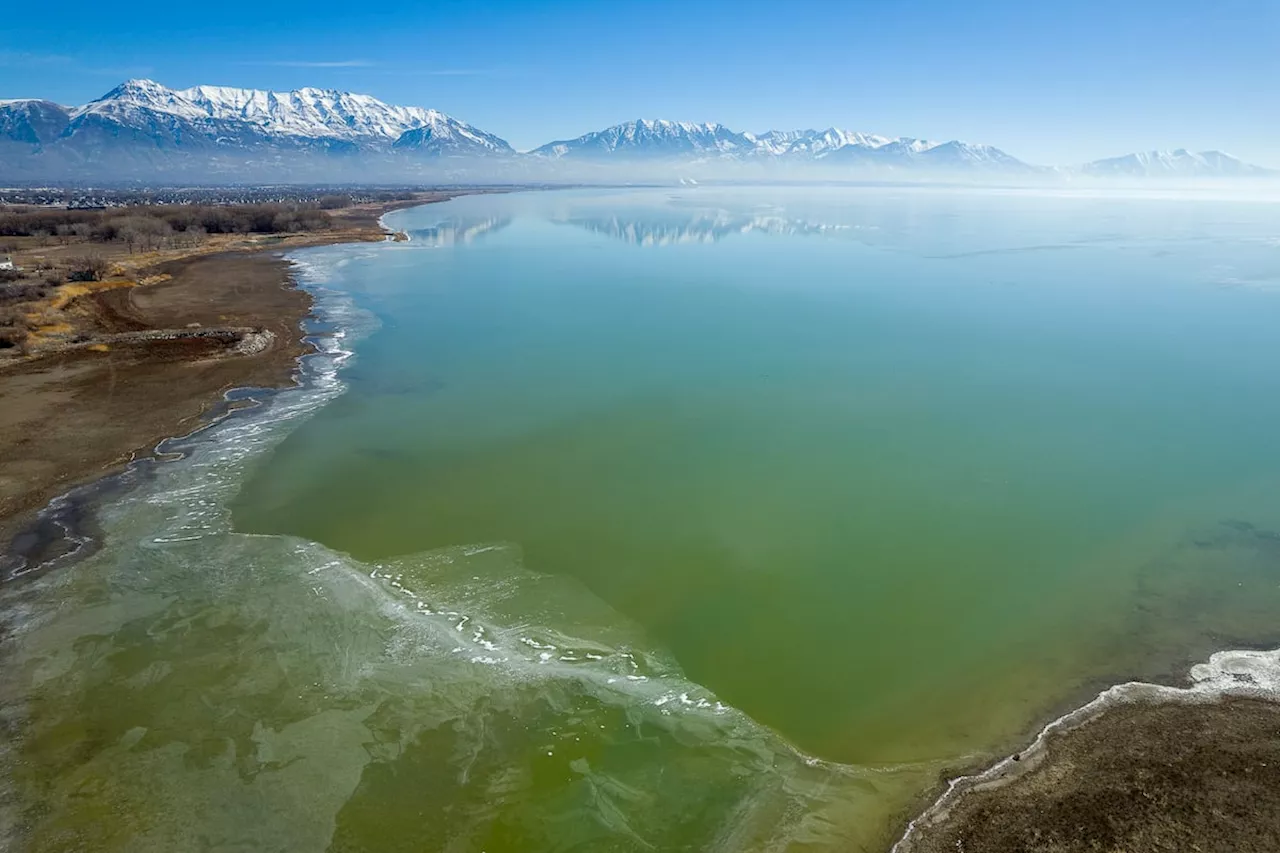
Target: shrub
x,y
13,330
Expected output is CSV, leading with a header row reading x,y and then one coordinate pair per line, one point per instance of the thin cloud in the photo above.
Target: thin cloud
x,y
462,72
410,71
23,59
17,58
317,63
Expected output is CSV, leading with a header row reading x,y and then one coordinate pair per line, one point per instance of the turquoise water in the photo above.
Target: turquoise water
x,y
656,519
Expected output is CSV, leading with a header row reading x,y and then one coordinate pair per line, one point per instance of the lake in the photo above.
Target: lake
x,y
687,518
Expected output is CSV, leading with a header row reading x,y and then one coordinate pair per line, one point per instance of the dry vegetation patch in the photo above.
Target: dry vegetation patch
x,y
65,254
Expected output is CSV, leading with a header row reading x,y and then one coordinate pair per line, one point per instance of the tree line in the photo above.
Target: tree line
x,y
147,227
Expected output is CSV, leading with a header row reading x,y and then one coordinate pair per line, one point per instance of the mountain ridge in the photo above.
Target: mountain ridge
x,y
650,138
142,128
1178,162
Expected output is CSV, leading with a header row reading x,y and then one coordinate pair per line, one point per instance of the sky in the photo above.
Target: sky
x,y
1050,82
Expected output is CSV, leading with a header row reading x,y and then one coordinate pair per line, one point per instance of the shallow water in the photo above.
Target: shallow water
x,y
709,519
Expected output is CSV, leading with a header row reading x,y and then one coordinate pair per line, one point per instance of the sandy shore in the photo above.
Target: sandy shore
x,y
155,361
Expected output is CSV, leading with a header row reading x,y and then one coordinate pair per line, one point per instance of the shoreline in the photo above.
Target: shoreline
x,y
172,355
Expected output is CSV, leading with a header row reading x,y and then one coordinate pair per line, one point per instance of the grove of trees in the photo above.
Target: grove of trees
x,y
149,227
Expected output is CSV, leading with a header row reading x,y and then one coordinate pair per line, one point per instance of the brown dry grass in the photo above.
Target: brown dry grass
x,y
43,308
68,415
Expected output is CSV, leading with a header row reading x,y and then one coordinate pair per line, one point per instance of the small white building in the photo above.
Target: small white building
x,y
6,263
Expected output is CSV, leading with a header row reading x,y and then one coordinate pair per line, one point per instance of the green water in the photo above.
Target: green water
x,y
698,519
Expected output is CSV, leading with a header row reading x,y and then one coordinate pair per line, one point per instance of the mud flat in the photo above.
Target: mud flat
x,y
1141,768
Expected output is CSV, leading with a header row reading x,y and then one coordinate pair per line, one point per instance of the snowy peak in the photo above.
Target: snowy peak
x,y
815,142
657,139
138,90
323,114
308,112
143,128
651,138
1179,163
132,96
440,134
960,154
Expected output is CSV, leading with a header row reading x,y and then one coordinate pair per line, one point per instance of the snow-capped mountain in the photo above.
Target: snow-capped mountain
x,y
144,129
1179,163
956,154
649,138
440,134
656,139
814,142
304,114
32,121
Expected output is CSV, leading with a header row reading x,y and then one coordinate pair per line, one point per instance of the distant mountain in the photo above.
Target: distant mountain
x,y
225,116
32,122
955,154
815,143
1179,163
443,135
656,139
647,138
144,129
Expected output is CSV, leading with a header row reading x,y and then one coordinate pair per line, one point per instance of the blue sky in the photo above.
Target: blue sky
x,y
1051,82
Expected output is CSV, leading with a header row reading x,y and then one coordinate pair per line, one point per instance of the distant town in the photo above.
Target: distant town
x,y
104,197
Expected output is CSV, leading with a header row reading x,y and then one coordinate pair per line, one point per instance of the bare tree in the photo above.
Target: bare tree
x,y
88,268
192,236
140,232
144,232
129,233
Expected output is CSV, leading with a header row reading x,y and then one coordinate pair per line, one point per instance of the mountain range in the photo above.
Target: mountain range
x,y
1177,163
645,139
142,130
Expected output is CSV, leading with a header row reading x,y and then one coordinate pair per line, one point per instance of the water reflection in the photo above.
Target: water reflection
x,y
459,231
704,226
